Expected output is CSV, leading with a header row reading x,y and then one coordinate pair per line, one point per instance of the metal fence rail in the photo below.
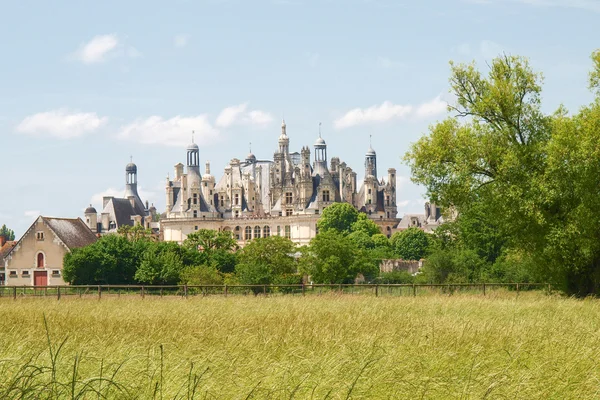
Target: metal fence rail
x,y
377,290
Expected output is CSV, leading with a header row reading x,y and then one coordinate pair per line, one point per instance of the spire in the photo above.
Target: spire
x,y
193,132
319,129
250,147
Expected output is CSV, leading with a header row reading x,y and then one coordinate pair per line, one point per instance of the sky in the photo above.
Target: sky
x,y
85,85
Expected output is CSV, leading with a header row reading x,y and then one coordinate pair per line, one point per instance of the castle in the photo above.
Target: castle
x,y
284,196
259,198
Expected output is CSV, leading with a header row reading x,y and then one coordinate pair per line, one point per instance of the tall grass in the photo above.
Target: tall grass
x,y
337,347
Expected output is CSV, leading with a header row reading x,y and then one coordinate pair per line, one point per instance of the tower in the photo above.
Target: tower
x,y
193,164
371,162
91,218
131,180
284,140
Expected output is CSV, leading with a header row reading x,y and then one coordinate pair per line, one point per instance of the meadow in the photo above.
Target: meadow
x,y
338,347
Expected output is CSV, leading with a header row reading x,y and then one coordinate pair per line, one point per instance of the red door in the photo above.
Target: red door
x,y
40,278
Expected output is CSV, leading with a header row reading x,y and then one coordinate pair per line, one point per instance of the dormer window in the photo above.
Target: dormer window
x,y
325,195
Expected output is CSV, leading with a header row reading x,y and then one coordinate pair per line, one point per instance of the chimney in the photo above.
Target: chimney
x,y
2,240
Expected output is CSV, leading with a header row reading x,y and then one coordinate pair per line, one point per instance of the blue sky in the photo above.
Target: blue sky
x,y
84,85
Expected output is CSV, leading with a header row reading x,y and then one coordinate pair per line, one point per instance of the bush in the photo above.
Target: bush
x,y
201,275
395,277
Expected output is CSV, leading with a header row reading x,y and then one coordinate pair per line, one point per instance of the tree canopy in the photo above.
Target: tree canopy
x,y
338,216
9,234
526,181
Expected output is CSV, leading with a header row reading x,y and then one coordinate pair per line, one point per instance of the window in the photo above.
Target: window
x,y
55,272
278,231
317,212
196,227
237,199
12,274
221,201
205,184
237,213
369,201
40,260
25,273
288,232
210,192
195,214
388,214
387,200
40,235
369,191
325,195
256,232
288,198
289,212
266,231
248,233
195,198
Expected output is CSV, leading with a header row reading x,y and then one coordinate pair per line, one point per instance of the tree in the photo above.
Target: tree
x,y
161,264
335,258
364,224
201,275
410,244
264,259
217,249
9,234
338,216
535,175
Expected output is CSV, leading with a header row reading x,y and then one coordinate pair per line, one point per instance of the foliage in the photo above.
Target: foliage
x,y
364,224
395,277
263,259
362,240
135,233
201,275
534,176
410,244
335,258
112,259
9,234
217,249
338,216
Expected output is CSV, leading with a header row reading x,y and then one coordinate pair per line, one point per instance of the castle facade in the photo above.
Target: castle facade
x,y
284,196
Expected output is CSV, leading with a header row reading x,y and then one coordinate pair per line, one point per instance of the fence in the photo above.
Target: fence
x,y
185,291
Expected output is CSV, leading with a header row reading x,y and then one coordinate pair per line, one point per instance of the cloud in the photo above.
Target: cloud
x,y
313,59
61,123
589,5
96,199
97,49
238,115
403,203
388,111
432,108
386,63
181,40
176,131
32,213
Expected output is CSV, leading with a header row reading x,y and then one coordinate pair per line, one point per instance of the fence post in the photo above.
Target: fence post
x,y
414,290
99,292
340,288
549,290
376,290
265,290
14,293
484,289
225,291
142,291
517,288
303,289
58,293
185,291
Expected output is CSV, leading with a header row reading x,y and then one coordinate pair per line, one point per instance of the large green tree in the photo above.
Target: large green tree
x,y
338,216
535,176
263,260
217,249
410,244
9,234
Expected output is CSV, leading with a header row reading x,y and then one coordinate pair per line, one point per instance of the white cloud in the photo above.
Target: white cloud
x,y
96,199
388,111
97,49
590,5
176,131
61,123
238,115
432,108
180,40
32,213
387,63
313,59
403,203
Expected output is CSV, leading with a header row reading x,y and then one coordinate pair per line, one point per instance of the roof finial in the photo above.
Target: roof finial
x,y
130,158
250,146
319,129
193,136
370,144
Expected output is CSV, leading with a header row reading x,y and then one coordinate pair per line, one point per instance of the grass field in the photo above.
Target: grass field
x,y
442,347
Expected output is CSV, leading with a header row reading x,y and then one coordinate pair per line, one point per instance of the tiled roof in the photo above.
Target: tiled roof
x,y
4,250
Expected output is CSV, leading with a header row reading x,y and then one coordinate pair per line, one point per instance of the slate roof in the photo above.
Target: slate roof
x,y
120,211
73,232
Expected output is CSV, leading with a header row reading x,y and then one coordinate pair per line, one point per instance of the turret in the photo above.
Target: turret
x,y
370,162
91,218
284,140
193,164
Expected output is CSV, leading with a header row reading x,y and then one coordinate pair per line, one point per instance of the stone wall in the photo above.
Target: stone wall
x,y
412,267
